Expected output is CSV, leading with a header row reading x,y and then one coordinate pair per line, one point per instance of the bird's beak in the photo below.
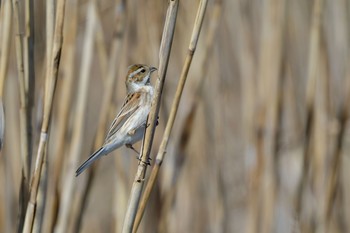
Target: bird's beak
x,y
152,69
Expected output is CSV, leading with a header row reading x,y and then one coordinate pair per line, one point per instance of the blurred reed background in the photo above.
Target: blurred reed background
x,y
260,142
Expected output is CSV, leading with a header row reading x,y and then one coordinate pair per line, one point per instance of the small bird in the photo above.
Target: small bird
x,y
128,126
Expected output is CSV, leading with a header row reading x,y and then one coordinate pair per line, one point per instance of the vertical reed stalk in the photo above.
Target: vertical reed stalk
x,y
68,66
187,125
2,123
5,44
50,87
6,210
164,55
24,144
29,79
22,91
175,105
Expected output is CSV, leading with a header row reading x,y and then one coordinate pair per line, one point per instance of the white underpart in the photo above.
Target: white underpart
x,y
136,121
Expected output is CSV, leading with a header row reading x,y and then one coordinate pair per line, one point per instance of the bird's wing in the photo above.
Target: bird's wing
x,y
131,104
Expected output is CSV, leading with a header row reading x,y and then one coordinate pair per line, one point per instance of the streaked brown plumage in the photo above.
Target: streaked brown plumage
x,y
128,126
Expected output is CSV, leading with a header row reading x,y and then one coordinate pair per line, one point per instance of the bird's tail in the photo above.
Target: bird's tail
x,y
89,161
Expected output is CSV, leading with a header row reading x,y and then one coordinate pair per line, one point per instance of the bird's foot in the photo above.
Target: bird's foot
x,y
140,180
148,124
147,163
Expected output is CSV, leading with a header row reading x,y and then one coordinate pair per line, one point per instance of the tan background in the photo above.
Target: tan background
x,y
235,158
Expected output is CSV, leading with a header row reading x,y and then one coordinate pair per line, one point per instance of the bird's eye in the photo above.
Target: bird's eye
x,y
143,71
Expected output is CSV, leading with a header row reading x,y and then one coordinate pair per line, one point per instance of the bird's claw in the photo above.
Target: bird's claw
x,y
138,156
140,180
147,163
148,124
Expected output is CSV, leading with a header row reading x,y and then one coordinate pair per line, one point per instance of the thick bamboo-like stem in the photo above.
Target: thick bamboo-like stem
x,y
64,214
5,45
5,40
109,88
310,98
68,66
164,54
174,107
50,87
4,58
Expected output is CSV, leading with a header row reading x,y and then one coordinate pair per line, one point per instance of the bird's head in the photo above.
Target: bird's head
x,y
138,76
